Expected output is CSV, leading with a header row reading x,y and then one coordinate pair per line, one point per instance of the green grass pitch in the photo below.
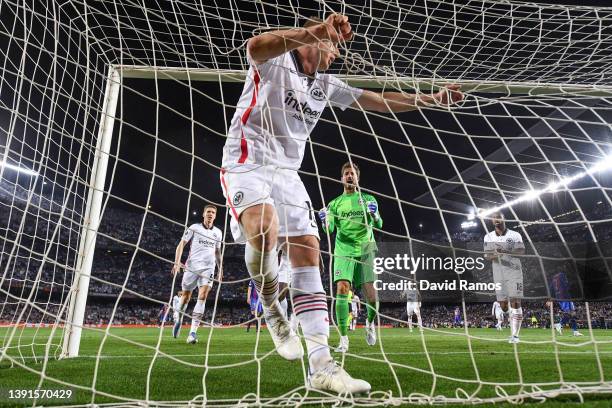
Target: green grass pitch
x,y
235,363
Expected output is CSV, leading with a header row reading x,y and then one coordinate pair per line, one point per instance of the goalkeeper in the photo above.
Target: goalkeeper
x,y
353,215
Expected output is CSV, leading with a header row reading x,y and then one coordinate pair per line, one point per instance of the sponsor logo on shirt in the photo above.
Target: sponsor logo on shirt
x,y
317,94
304,112
206,243
351,214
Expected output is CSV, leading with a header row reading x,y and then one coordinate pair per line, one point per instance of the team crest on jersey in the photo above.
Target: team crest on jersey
x,y
337,273
317,94
238,197
360,201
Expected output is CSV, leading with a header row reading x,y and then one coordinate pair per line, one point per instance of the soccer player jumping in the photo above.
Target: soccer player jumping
x,y
353,215
282,100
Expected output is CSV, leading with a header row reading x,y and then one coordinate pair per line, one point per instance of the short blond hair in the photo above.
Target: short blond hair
x,y
207,206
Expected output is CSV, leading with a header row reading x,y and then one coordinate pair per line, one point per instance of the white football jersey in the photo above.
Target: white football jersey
x,y
204,241
278,109
497,309
507,242
355,303
411,295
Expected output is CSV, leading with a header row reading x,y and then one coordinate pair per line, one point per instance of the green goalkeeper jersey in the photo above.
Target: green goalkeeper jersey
x,y
348,215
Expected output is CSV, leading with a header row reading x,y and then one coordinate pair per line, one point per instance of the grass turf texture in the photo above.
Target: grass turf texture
x,y
236,360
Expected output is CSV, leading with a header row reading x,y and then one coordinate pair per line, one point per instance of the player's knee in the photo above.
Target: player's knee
x,y
343,287
304,251
261,226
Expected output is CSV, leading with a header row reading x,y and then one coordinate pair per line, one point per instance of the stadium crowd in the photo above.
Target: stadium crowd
x,y
133,258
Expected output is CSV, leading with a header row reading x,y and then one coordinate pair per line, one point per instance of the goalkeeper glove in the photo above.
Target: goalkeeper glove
x,y
323,215
373,209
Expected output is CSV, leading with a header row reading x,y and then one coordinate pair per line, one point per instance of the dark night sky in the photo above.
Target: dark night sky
x,y
137,147
143,120
176,133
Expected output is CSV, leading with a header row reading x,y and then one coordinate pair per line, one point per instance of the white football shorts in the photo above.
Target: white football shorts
x,y
246,185
197,279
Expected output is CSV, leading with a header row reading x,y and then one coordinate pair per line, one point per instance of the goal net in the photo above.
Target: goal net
x,y
113,117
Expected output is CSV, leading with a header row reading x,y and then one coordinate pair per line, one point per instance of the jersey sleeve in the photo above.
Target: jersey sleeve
x,y
219,239
488,244
519,241
339,93
265,69
188,235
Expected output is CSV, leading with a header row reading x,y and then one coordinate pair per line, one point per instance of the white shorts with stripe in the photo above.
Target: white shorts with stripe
x,y
246,185
197,279
413,307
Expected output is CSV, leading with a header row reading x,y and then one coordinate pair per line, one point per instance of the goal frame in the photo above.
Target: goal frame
x,y
115,76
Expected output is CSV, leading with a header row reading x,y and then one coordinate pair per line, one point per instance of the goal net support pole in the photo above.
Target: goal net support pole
x,y
95,195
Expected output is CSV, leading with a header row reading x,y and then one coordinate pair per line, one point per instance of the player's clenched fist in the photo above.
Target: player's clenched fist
x,y
338,28
449,94
323,215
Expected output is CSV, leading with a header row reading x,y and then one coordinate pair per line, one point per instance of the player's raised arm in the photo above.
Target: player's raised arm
x,y
268,45
249,295
401,102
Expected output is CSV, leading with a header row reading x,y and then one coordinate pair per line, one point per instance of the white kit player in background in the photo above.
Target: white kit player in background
x,y
284,283
498,312
205,252
283,98
413,306
176,305
355,310
500,245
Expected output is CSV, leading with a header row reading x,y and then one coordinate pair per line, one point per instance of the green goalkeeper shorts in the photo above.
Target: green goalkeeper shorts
x,y
355,269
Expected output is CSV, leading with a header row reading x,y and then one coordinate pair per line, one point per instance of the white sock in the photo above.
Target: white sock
x,y
283,304
516,318
178,314
419,320
263,268
198,313
310,307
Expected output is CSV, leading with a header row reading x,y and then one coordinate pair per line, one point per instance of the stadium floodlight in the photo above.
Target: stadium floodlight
x,y
603,165
468,224
18,169
471,215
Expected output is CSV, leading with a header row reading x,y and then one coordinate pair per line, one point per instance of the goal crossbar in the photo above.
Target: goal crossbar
x,y
376,82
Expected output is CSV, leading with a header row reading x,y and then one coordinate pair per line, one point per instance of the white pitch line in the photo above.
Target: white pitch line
x,y
361,354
